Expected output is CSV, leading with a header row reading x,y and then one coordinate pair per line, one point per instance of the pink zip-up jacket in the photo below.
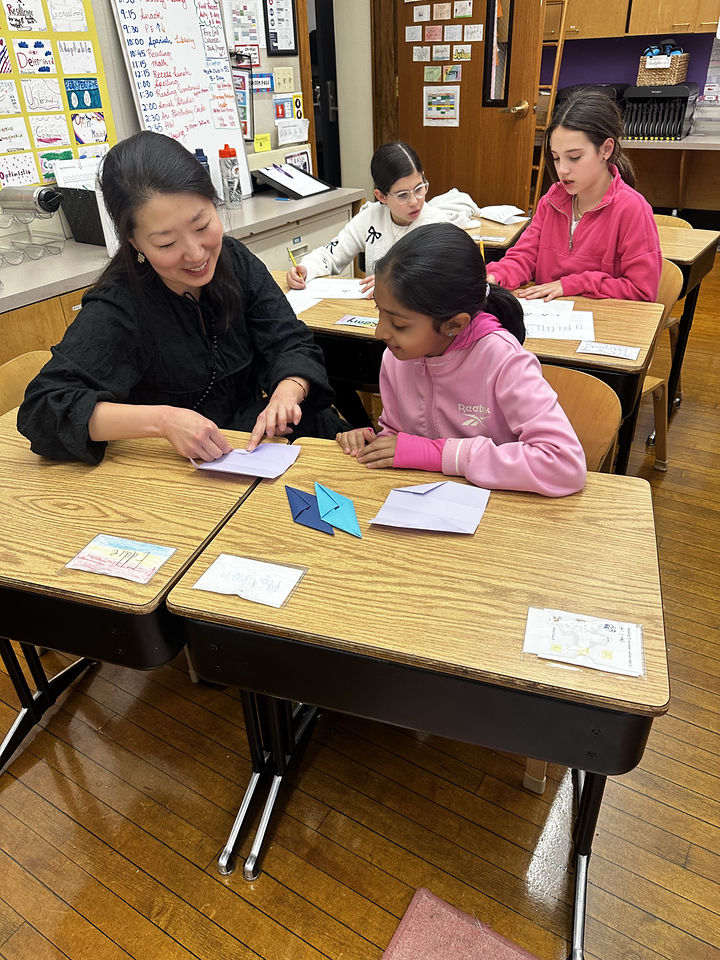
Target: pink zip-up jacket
x,y
614,252
482,411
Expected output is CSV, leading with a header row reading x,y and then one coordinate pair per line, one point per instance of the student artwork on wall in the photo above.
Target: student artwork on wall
x,y
54,102
421,14
442,11
441,106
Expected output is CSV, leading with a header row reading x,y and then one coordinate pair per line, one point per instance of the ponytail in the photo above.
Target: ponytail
x,y
437,270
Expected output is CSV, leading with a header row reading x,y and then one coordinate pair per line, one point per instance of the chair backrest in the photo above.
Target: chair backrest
x,y
671,281
663,220
16,374
591,406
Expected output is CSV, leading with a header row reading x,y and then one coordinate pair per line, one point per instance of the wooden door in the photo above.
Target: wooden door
x,y
489,154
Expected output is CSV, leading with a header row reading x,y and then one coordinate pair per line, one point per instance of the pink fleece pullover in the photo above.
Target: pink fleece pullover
x,y
482,411
614,252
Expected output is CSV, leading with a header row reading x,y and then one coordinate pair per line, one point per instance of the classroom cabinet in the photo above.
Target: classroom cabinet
x,y
36,327
588,19
302,237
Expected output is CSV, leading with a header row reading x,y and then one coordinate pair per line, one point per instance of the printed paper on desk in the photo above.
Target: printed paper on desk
x,y
554,308
446,506
269,460
335,288
503,213
570,325
609,350
117,557
350,321
609,645
256,580
300,301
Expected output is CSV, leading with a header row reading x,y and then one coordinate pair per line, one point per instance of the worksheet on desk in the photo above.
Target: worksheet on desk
x,y
557,320
335,288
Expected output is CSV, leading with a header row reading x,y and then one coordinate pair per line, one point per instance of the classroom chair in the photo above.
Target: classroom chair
x,y
671,281
593,409
16,374
673,323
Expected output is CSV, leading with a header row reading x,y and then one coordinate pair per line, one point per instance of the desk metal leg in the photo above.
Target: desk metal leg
x,y
625,439
684,327
591,787
33,705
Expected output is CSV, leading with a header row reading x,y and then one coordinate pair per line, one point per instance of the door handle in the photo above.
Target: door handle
x,y
519,110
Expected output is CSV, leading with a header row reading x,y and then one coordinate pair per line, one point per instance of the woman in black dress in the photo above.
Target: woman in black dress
x,y
185,333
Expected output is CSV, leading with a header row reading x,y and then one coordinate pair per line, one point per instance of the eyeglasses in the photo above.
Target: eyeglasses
x,y
404,196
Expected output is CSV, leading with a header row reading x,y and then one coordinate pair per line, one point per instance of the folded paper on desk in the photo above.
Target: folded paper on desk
x,y
304,509
503,213
269,460
337,510
335,288
256,580
446,506
609,645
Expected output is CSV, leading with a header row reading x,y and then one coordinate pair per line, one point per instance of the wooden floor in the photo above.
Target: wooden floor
x,y
113,816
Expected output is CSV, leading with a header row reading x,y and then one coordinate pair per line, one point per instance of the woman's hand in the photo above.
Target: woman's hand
x,y
545,291
296,277
354,441
379,453
367,285
193,435
283,408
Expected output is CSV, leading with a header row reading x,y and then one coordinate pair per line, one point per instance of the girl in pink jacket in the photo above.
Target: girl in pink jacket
x,y
592,235
460,394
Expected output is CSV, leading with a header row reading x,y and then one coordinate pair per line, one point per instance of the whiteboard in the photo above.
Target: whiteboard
x,y
179,71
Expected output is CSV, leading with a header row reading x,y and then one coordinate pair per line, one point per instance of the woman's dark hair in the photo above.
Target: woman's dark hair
x,y
438,270
391,162
135,170
598,117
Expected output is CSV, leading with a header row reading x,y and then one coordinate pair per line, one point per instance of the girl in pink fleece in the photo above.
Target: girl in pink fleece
x,y
592,234
460,394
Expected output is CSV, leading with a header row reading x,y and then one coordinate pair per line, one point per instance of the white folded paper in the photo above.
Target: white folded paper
x,y
446,506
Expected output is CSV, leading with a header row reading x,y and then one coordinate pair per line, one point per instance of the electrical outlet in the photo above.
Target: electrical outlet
x,y
284,79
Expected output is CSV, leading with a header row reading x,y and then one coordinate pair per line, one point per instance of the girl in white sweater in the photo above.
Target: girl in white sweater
x,y
400,189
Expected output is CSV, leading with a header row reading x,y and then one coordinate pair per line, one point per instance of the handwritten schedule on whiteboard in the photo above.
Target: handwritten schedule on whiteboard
x,y
178,63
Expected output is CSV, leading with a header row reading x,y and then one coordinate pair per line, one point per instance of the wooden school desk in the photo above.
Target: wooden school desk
x,y
694,252
353,355
438,645
496,249
143,490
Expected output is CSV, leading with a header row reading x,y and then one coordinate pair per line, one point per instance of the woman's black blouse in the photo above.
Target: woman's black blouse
x,y
116,351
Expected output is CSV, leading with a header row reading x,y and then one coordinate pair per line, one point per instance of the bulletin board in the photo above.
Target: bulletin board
x,y
54,100
178,65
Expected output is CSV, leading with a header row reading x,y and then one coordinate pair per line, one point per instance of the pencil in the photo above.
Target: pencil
x,y
482,248
292,257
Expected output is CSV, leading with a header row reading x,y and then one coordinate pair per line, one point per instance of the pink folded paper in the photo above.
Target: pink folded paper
x,y
269,460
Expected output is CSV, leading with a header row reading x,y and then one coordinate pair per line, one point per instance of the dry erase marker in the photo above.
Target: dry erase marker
x,y
292,257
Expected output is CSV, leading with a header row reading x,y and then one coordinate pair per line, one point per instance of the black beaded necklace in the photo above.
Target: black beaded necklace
x,y
214,343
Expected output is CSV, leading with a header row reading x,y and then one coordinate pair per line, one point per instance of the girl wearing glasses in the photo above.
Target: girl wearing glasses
x,y
592,235
400,189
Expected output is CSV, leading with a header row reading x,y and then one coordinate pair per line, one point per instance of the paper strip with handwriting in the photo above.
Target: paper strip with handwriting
x,y
609,350
350,321
341,288
256,580
117,557
269,460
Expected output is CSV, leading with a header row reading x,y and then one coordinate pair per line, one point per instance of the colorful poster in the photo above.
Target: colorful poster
x,y
462,51
83,93
47,160
452,73
76,56
14,135
18,170
441,106
68,16
89,127
34,56
9,100
50,131
25,15
42,95
5,65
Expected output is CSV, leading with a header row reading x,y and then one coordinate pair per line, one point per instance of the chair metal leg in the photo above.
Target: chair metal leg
x,y
661,426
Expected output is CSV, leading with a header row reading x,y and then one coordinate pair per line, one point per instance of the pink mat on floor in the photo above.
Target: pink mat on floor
x,y
433,930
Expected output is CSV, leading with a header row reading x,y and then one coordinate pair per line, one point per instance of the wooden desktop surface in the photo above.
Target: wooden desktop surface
x,y
452,603
488,228
684,246
624,322
143,490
